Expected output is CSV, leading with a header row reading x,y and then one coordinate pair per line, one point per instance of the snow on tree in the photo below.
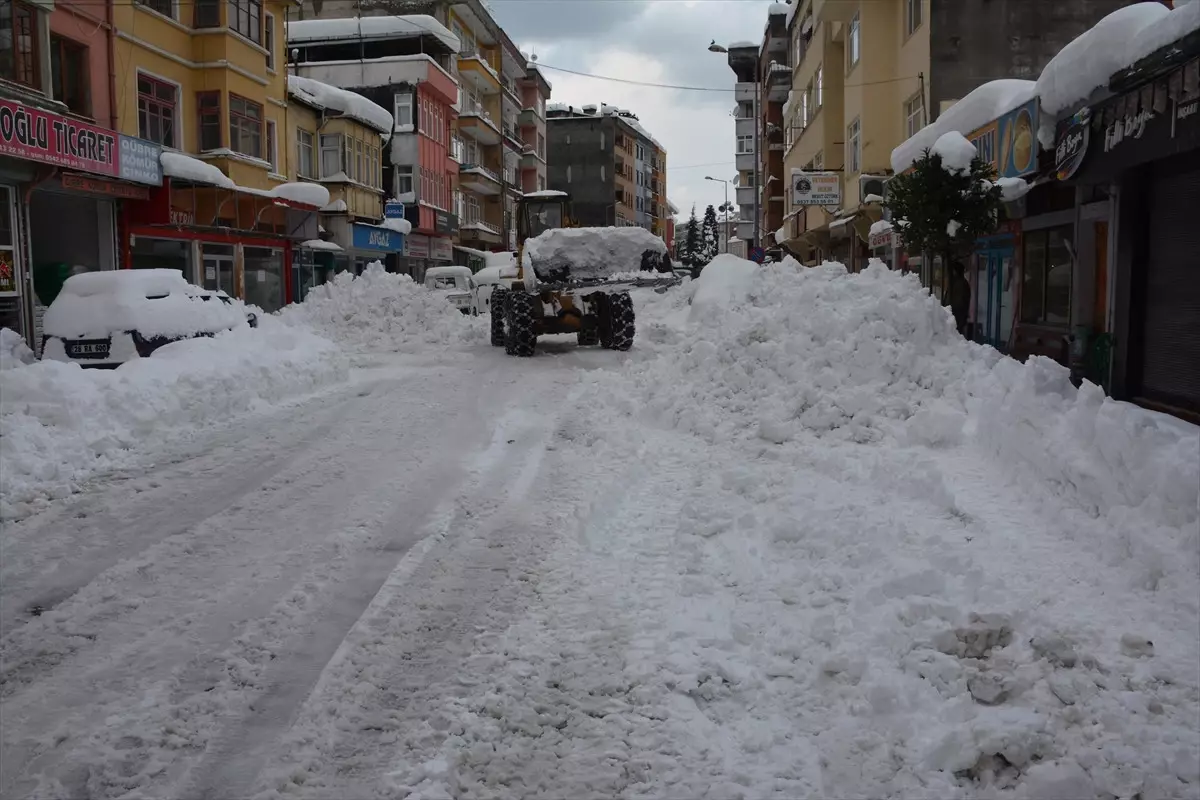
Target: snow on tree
x,y
947,201
690,255
712,236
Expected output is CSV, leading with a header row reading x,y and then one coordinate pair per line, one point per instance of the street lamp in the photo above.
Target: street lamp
x,y
725,207
713,47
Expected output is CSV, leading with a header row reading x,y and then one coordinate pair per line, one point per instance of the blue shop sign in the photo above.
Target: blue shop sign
x,y
373,237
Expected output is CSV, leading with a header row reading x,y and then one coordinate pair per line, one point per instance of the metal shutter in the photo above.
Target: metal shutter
x,y
1170,371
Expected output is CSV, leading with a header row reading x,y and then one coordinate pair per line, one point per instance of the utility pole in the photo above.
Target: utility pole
x,y
759,184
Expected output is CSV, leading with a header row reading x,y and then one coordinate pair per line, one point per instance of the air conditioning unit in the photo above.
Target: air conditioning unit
x,y
872,185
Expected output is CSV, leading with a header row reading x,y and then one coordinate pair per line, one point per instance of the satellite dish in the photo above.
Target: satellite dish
x,y
533,57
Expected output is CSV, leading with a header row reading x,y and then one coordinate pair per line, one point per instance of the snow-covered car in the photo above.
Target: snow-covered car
x,y
104,319
487,280
456,284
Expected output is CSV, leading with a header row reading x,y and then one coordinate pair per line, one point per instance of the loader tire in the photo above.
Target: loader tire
x,y
522,309
620,311
498,305
589,337
604,326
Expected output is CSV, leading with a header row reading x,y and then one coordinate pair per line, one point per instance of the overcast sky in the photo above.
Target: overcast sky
x,y
657,41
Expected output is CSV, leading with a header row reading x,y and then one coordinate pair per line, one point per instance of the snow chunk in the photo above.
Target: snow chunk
x,y
777,9
955,150
725,281
350,104
326,30
309,194
1012,189
153,302
952,228
978,108
13,350
545,193
882,226
873,198
1120,40
397,224
592,253
177,165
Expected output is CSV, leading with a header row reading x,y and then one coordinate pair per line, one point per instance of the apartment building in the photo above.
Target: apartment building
x,y
857,78
614,170
523,106
405,65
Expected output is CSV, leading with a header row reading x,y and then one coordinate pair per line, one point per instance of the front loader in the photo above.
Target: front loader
x,y
574,280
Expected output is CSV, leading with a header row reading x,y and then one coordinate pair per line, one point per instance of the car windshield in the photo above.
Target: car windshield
x,y
544,216
443,282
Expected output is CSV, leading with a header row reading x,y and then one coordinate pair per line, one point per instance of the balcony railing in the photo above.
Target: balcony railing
x,y
474,220
479,168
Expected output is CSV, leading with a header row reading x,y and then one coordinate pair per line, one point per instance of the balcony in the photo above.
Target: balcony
x,y
744,162
473,228
477,73
528,117
744,195
530,158
512,134
624,143
509,86
779,82
744,91
473,121
479,179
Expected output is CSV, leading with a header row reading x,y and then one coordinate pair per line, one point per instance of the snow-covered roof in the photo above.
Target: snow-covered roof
x,y
349,104
977,109
1120,40
186,168
324,30
397,224
741,43
546,193
777,9
533,65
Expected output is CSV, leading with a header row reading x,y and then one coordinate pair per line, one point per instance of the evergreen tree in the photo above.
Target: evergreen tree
x,y
712,236
692,244
942,211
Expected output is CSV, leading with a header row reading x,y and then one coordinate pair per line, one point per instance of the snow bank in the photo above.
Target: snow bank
x,y
60,424
1120,40
382,311
13,350
350,104
978,108
592,253
955,150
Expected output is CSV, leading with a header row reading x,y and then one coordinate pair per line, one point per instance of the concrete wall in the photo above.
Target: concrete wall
x,y
974,41
585,148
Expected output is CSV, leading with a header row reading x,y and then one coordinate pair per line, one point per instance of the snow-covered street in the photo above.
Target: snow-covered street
x,y
801,541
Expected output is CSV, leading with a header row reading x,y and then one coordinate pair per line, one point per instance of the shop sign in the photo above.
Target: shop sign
x,y
440,249
445,222
182,216
984,140
36,135
101,186
8,274
1009,142
139,161
373,237
1072,144
416,246
393,210
881,239
816,189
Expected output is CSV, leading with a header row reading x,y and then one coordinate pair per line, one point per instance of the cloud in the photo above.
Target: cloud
x,y
655,41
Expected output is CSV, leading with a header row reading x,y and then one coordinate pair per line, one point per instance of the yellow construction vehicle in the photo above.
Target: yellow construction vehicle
x,y
574,280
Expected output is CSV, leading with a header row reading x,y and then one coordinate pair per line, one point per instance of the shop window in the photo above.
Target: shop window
x,y
269,39
1046,281
206,13
19,43
272,152
208,114
157,102
305,165
245,126
854,42
68,74
264,277
331,155
148,253
245,18
164,7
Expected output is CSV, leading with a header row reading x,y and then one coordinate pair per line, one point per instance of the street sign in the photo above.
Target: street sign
x,y
757,255
816,188
393,210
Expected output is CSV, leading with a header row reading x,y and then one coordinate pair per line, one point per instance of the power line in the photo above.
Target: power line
x,y
698,166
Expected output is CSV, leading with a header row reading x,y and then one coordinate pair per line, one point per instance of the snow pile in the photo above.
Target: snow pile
x,y
955,150
13,350
61,424
153,302
349,104
593,253
978,108
381,311
309,194
724,281
1120,40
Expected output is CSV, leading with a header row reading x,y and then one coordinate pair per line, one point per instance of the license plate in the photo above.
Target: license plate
x,y
88,349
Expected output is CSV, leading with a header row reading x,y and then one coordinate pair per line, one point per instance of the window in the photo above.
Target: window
x,y
854,146
245,126
745,144
304,154
804,99
331,154
541,147
164,7
818,161
819,85
272,153
269,39
854,41
206,14
19,57
157,103
603,175
208,115
568,173
1046,280
914,115
403,179
244,18
68,74
912,16
403,109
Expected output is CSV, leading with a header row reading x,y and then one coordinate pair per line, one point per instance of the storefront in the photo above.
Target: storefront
x,y
62,186
423,252
1139,152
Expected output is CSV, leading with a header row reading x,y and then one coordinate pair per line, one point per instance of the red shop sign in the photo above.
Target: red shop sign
x,y
37,135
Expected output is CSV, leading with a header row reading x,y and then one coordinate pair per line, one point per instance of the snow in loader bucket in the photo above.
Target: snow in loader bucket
x,y
582,256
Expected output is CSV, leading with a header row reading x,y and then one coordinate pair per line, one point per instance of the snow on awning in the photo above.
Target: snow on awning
x,y
348,104
545,193
397,224
324,30
320,244
307,196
